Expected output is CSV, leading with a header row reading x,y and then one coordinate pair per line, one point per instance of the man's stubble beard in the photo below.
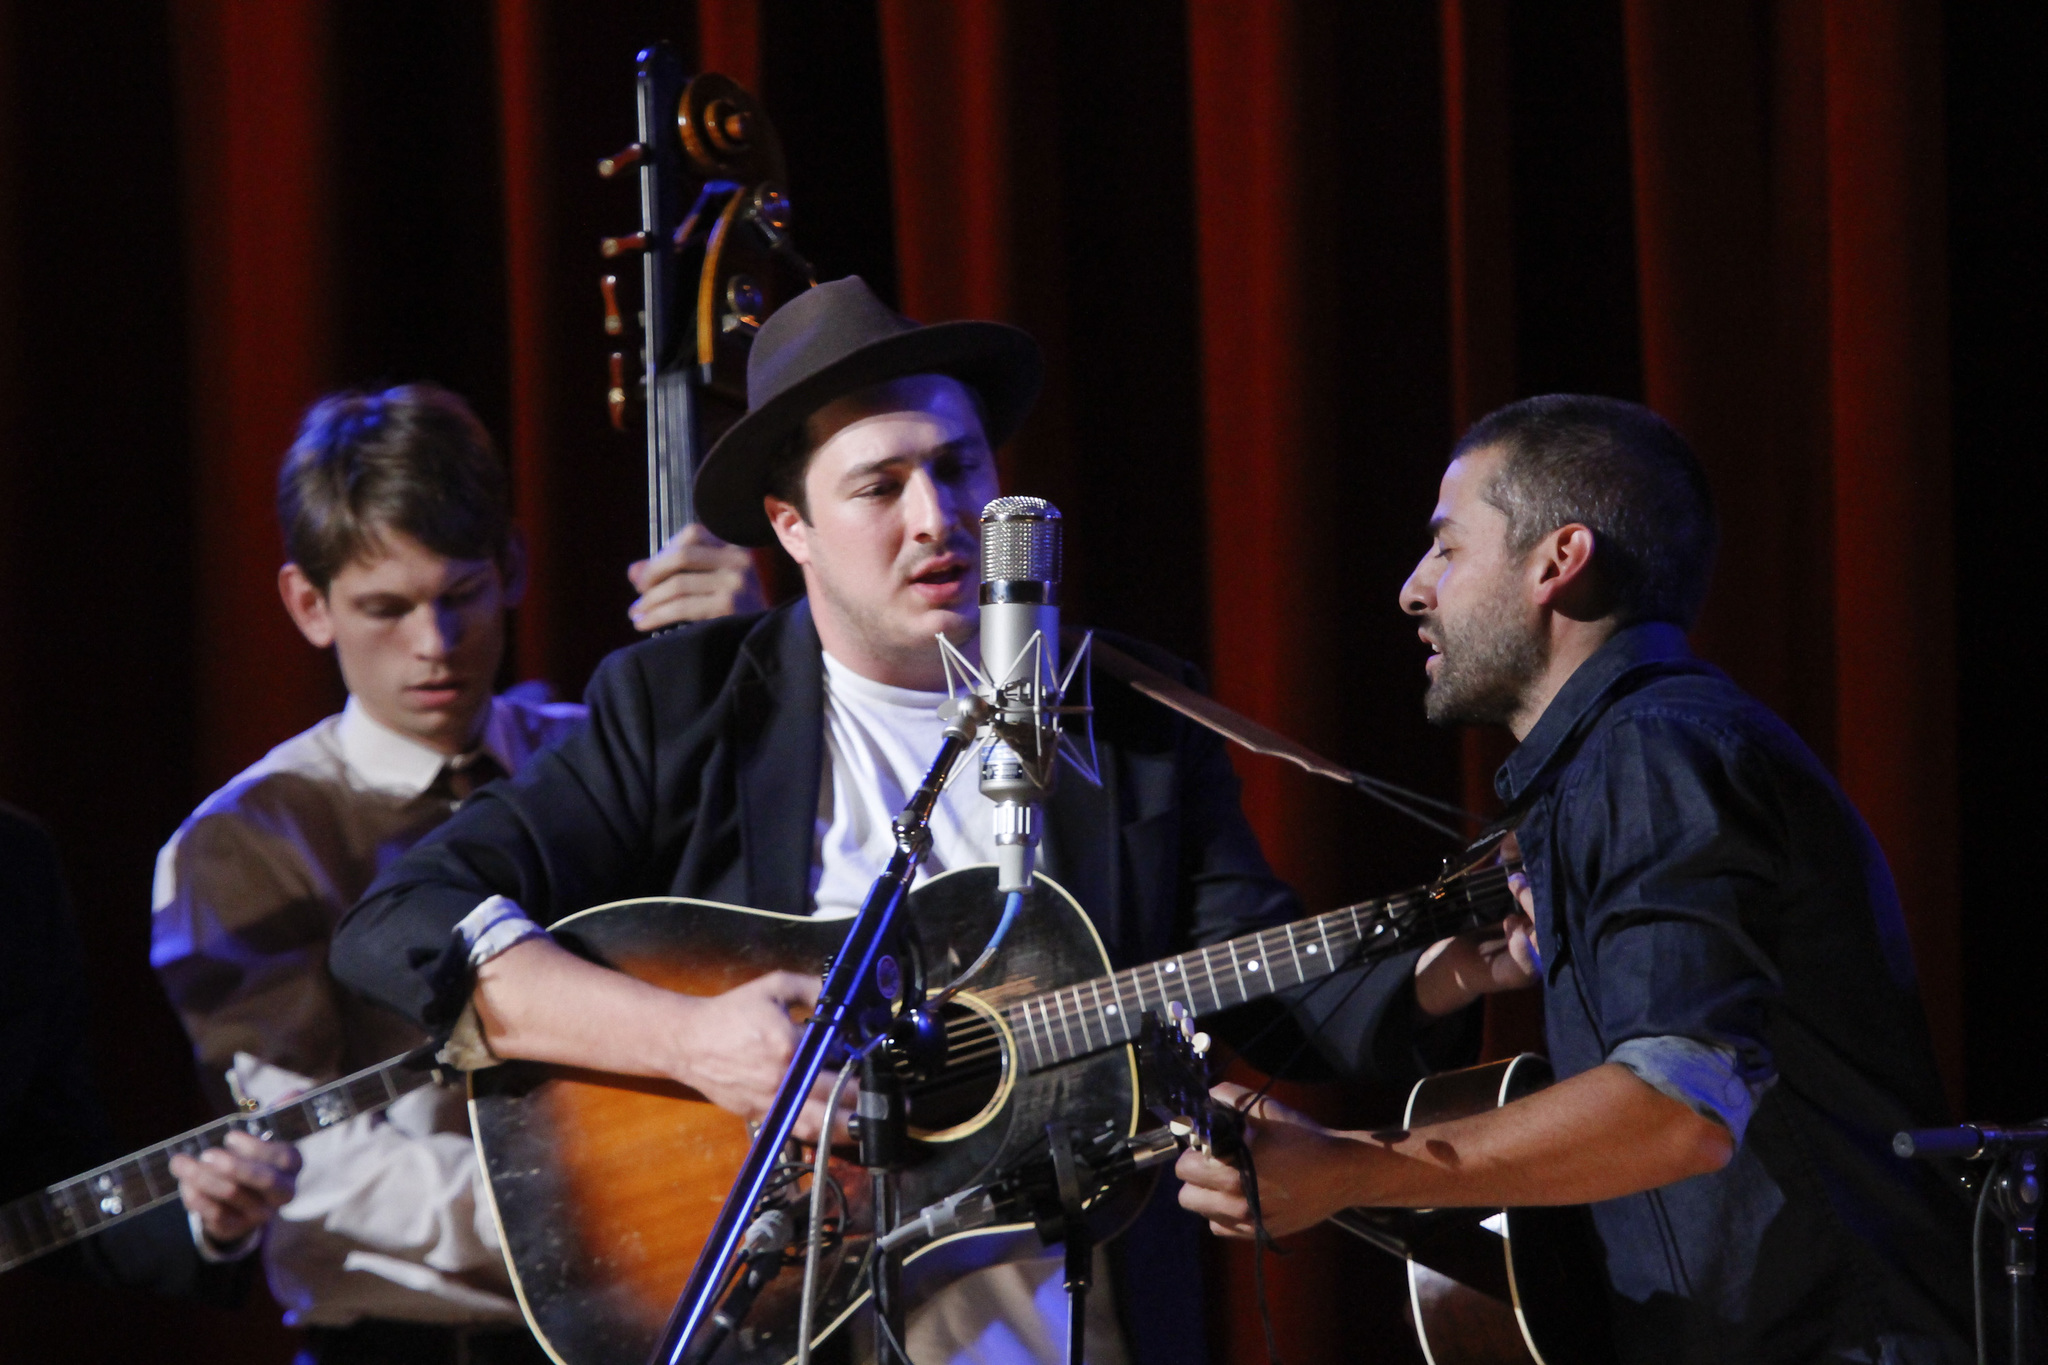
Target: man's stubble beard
x,y
1488,663
878,629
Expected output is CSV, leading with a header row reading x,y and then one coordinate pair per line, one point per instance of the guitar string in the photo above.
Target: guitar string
x,y
1066,1000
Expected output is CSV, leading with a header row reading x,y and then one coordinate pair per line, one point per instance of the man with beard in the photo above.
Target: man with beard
x,y
1729,998
758,760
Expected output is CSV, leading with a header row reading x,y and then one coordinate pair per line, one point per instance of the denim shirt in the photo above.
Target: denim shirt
x,y
1709,903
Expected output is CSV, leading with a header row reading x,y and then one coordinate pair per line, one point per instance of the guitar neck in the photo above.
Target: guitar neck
x,y
38,1223
1074,1021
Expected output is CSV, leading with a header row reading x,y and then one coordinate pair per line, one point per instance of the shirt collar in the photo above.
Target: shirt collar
x,y
1585,694
386,760
843,677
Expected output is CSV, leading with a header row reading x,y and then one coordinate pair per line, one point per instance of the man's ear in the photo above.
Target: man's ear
x,y
512,568
1565,580
789,528
307,606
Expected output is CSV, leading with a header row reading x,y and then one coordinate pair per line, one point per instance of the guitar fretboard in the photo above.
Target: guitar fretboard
x,y
85,1204
1073,1021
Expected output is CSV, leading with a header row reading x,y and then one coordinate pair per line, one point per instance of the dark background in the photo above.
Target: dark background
x,y
1278,255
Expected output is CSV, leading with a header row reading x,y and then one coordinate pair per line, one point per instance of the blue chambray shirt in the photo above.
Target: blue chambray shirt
x,y
1712,912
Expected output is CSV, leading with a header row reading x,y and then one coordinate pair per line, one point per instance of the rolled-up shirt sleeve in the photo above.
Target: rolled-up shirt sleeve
x,y
1706,1078
492,927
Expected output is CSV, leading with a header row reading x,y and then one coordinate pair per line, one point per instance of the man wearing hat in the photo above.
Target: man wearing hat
x,y
758,760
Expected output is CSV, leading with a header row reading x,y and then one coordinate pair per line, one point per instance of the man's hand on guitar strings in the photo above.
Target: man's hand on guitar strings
x,y
1291,1152
695,577
235,1189
1454,972
735,1048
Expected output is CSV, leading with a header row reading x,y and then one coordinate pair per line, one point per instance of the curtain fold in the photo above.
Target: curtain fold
x,y
1788,192
254,90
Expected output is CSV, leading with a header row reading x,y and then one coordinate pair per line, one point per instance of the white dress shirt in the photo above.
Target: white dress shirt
x,y
387,1221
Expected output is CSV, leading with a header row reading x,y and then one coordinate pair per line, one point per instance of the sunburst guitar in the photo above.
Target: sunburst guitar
x,y
605,1187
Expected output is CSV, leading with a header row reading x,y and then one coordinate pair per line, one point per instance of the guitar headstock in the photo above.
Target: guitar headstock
x,y
716,258
1173,1073
1481,853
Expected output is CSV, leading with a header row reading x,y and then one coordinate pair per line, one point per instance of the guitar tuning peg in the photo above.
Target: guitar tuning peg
x,y
1200,1042
615,397
1176,1012
614,324
623,159
618,246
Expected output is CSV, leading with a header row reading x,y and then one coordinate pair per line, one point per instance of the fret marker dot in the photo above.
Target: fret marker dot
x,y
1252,966
1109,1009
1172,967
1311,950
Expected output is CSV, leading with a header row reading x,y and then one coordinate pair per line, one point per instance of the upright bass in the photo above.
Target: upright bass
x,y
716,258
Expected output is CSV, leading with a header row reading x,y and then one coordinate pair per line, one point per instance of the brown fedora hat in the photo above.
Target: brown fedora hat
x,y
836,339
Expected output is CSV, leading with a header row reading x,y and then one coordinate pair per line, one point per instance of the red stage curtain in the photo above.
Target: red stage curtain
x,y
1279,254
1789,190
258,205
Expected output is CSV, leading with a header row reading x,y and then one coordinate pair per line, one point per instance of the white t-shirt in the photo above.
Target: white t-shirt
x,y
879,741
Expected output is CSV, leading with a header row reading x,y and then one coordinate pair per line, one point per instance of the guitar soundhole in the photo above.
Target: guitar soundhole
x,y
976,1078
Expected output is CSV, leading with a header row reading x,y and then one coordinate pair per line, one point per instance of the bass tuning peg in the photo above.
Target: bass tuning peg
x,y
614,324
615,397
624,159
619,246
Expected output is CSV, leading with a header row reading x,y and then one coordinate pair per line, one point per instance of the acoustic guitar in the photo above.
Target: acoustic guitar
x,y
1486,1286
605,1187
1513,1286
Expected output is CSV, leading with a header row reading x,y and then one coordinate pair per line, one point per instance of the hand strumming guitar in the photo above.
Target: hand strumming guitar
x,y
540,1002
696,577
1293,1155
1598,1135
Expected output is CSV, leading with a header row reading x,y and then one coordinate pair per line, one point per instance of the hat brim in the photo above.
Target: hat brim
x,y
1000,363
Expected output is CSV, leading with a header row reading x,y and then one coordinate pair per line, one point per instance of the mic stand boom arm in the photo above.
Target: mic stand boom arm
x,y
864,980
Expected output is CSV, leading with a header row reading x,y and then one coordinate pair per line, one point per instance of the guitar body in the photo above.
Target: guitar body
x,y
1519,1286
605,1188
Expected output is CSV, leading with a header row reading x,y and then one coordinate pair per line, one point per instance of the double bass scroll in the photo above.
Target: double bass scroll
x,y
716,258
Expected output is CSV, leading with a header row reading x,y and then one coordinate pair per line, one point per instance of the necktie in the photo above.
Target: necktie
x,y
462,775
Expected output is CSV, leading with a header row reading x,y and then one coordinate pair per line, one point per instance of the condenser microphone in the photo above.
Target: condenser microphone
x,y
1020,642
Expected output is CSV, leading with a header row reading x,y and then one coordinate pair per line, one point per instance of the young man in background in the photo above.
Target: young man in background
x,y
401,559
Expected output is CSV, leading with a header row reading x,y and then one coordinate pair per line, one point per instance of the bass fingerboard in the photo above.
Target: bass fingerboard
x,y
1074,1021
36,1224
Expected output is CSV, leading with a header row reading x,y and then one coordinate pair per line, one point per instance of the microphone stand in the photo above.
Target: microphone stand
x,y
2013,1189
854,1005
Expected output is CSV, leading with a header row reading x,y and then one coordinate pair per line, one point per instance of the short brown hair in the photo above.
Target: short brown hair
x,y
1624,473
413,459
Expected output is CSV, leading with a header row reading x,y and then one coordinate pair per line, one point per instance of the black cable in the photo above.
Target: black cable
x,y
874,1271
1384,793
1262,1240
